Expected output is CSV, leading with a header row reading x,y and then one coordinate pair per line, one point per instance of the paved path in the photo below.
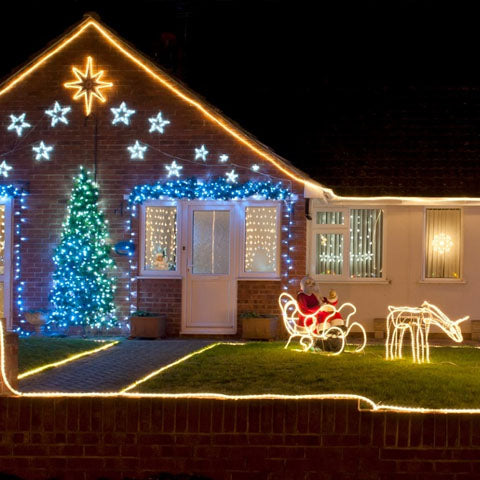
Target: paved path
x,y
112,369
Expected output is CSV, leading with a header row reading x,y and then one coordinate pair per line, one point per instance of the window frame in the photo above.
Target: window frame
x,y
426,279
143,272
242,274
344,229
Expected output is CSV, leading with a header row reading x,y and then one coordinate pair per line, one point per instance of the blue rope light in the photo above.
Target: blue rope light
x,y
219,189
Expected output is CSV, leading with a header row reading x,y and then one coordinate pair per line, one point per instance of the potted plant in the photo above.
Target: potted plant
x,y
147,325
259,327
37,318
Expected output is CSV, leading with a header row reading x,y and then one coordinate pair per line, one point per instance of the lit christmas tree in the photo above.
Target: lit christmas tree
x,y
83,290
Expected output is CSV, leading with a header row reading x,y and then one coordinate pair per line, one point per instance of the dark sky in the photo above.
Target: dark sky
x,y
285,71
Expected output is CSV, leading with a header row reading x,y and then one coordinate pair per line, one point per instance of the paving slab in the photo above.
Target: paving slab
x,y
113,369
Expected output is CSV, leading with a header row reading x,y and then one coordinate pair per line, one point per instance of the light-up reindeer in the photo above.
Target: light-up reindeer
x,y
417,320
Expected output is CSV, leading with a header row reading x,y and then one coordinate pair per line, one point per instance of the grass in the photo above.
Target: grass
x,y
451,380
34,352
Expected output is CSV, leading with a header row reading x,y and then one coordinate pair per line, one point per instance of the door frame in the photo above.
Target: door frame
x,y
7,262
186,250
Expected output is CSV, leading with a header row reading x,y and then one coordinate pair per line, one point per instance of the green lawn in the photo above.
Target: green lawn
x,y
34,352
451,380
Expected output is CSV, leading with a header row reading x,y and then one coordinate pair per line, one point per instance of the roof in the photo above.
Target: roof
x,y
176,87
409,141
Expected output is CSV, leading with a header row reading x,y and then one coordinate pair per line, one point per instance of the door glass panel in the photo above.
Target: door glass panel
x,y
211,236
2,242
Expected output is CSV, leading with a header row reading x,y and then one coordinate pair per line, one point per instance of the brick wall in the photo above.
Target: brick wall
x,y
86,140
72,438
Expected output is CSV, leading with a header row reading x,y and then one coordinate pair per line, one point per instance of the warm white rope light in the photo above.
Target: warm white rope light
x,y
417,320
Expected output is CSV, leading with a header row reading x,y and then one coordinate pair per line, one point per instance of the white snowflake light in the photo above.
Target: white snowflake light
x,y
158,123
231,176
442,243
137,150
173,169
201,153
122,114
255,167
42,151
223,158
58,114
4,168
18,123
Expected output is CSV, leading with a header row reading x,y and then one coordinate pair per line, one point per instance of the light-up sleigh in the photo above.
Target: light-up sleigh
x,y
326,333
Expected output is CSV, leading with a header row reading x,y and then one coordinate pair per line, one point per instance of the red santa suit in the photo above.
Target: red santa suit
x,y
308,305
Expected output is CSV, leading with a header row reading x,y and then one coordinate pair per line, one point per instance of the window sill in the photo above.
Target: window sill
x,y
158,277
355,282
444,281
256,279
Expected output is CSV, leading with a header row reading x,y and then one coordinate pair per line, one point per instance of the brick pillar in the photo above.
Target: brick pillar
x,y
11,359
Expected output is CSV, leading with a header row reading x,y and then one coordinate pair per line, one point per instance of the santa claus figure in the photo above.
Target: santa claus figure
x,y
309,304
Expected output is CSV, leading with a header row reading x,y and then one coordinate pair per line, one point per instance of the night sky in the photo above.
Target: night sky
x,y
286,72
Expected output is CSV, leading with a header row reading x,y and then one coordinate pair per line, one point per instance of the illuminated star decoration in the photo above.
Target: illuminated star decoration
x,y
223,158
137,150
255,167
4,168
18,123
42,151
173,169
157,123
88,85
58,114
122,114
231,176
201,153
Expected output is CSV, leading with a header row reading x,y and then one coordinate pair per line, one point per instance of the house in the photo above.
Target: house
x,y
220,223
217,219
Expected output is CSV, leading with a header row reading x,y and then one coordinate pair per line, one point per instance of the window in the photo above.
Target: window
x,y
261,240
159,256
443,243
347,244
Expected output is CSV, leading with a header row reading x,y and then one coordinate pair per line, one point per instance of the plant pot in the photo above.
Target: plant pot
x,y
148,327
260,328
37,319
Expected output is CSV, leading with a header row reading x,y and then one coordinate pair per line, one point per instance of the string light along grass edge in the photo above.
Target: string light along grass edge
x,y
374,407
69,359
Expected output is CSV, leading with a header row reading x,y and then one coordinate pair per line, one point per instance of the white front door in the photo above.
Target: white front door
x,y
210,288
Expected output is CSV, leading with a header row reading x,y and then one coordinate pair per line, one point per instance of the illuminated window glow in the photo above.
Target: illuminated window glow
x,y
160,238
88,85
261,237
